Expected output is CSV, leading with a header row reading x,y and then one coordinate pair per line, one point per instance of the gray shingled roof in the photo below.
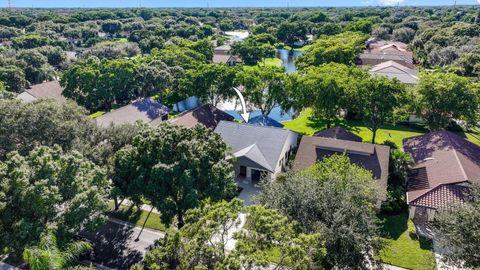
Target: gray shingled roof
x,y
393,69
50,89
146,110
268,140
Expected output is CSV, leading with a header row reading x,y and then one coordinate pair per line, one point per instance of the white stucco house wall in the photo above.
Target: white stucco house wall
x,y
259,151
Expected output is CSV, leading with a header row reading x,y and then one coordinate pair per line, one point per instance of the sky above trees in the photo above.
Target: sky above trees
x,y
228,3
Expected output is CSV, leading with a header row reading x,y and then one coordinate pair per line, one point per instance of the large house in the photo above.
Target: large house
x,y
444,164
259,151
146,109
206,115
378,52
52,90
395,70
372,157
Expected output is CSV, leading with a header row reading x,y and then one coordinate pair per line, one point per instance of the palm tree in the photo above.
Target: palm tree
x,y
47,255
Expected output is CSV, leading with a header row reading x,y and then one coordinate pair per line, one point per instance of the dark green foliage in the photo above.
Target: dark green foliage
x,y
47,188
334,198
458,229
174,167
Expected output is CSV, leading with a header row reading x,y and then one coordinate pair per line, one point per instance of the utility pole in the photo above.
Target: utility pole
x,y
9,4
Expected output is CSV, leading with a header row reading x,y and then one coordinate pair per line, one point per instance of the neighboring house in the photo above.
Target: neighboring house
x,y
264,120
222,50
338,133
71,55
378,52
395,70
259,151
444,164
372,157
207,115
221,55
51,90
230,60
147,110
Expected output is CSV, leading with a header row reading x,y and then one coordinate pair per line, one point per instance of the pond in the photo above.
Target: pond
x,y
276,114
288,59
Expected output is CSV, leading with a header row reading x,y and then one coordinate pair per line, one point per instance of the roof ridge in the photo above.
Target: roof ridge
x,y
256,126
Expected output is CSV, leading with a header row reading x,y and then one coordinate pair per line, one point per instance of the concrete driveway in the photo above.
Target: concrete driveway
x,y
249,189
115,245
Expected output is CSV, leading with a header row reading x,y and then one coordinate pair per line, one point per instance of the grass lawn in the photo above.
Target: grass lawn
x,y
137,216
269,62
403,247
306,124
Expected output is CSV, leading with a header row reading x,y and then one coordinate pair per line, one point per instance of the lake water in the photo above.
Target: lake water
x,y
276,114
288,59
236,36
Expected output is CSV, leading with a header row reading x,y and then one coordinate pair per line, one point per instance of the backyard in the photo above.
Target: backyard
x,y
307,124
404,247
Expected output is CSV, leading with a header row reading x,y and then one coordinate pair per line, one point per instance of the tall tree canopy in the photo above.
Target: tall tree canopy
x,y
206,240
174,167
445,97
264,87
211,83
377,98
334,198
341,48
323,88
43,122
48,188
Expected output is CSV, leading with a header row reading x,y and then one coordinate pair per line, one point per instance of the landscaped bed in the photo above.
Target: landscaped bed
x,y
404,247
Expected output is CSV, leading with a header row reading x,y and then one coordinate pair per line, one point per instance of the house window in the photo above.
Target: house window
x,y
243,171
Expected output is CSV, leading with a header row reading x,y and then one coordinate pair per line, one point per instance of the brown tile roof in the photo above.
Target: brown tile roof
x,y
441,158
372,157
47,90
207,115
338,133
443,196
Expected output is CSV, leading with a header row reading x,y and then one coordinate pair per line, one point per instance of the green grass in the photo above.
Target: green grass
x,y
307,124
404,247
96,114
121,40
267,62
138,217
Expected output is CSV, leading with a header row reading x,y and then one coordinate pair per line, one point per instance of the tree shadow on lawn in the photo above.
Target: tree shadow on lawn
x,y
319,124
393,226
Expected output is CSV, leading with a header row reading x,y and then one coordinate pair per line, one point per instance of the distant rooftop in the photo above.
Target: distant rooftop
x,y
50,89
146,110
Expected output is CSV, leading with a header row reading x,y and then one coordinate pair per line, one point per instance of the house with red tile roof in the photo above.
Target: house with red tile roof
x,y
444,165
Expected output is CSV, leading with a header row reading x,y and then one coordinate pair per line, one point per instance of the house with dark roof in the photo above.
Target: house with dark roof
x,y
338,133
394,70
258,150
52,90
372,157
264,120
146,110
444,165
206,115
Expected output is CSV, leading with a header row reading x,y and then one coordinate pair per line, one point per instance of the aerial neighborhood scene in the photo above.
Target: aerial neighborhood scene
x,y
240,135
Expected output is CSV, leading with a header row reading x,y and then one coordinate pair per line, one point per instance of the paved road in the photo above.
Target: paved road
x,y
115,244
